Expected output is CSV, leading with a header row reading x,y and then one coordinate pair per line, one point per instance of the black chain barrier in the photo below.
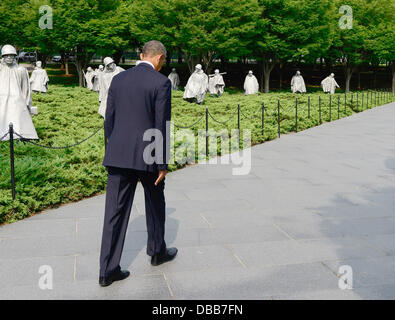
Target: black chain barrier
x,y
192,125
58,148
379,97
1,139
222,122
253,117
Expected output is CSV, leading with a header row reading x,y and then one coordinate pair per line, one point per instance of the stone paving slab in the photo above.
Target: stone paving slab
x,y
251,283
313,202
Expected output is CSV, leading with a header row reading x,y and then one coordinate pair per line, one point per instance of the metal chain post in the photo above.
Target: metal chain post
x,y
278,117
296,115
12,159
238,123
206,131
338,107
319,108
263,121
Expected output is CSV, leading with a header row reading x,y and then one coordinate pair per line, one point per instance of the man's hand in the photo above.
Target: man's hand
x,y
162,175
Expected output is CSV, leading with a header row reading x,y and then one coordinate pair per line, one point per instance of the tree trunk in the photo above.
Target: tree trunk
x,y
393,76
208,58
359,78
117,56
168,58
179,56
66,65
349,71
280,72
79,66
43,58
267,81
375,77
81,62
348,79
267,68
192,61
62,61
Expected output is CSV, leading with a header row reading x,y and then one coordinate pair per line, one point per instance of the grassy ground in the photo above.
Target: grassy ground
x,y
68,114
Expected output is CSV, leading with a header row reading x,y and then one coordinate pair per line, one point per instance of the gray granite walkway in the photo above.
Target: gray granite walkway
x,y
314,201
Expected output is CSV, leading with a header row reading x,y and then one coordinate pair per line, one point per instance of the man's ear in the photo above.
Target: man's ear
x,y
141,56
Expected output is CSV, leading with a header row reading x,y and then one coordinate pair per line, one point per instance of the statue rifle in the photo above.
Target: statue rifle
x,y
213,75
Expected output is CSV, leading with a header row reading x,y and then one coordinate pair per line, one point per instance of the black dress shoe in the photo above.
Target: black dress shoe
x,y
117,276
160,258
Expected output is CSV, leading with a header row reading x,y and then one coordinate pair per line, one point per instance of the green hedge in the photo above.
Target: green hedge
x,y
67,114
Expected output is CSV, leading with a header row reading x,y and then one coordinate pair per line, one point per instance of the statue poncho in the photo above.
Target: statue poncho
x,y
95,80
39,80
329,84
105,79
196,86
174,79
15,101
89,77
297,83
216,84
251,85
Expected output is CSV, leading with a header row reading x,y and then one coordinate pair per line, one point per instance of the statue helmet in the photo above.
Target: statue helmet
x,y
332,75
107,61
8,49
298,73
216,71
101,67
90,69
39,64
174,69
199,66
250,72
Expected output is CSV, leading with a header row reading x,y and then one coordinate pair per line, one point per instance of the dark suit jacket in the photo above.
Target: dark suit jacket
x,y
138,99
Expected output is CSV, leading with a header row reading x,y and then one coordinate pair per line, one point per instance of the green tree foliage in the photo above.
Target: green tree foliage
x,y
201,29
85,27
290,30
380,39
270,31
12,22
80,27
348,43
370,40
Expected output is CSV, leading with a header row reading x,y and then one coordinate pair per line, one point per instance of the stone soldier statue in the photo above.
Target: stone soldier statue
x,y
216,84
39,79
329,84
95,79
197,85
89,77
297,83
175,79
105,78
251,85
15,96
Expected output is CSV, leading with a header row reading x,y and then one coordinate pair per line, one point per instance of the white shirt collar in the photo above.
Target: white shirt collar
x,y
147,63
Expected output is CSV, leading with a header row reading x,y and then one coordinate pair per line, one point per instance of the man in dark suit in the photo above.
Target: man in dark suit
x,y
137,125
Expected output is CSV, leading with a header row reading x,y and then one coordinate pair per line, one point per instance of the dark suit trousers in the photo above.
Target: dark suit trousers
x,y
121,188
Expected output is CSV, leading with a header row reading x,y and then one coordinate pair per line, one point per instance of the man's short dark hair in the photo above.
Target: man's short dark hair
x,y
154,48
